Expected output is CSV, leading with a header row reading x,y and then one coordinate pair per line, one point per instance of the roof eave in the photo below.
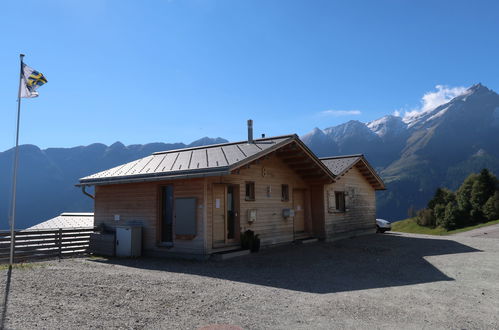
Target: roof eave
x,y
155,177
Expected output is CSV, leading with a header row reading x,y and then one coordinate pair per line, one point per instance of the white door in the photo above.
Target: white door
x,y
123,242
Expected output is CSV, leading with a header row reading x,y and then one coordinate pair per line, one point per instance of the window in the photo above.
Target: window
x,y
340,200
284,192
250,191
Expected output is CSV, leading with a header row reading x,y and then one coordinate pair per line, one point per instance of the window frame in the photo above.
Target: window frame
x,y
285,192
340,201
251,186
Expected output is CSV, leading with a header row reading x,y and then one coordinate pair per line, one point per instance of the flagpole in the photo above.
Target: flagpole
x,y
14,175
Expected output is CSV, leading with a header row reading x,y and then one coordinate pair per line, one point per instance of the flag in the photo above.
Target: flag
x,y
30,81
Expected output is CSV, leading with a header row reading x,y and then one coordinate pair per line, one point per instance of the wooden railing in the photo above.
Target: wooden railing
x,y
45,243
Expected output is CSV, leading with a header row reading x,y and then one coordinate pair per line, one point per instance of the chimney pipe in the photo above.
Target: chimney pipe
x,y
250,131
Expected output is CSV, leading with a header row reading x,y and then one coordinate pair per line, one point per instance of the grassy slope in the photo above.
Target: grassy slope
x,y
410,226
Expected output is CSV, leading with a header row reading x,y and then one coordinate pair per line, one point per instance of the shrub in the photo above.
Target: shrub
x,y
426,218
491,207
451,216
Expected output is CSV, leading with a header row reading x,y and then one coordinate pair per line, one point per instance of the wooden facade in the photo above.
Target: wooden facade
x,y
256,196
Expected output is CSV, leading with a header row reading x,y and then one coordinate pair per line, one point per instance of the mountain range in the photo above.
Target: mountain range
x,y
421,151
414,155
46,178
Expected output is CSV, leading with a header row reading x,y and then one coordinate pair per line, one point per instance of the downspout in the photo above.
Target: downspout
x,y
86,193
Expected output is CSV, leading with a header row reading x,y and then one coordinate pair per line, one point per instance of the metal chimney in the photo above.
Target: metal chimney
x,y
250,131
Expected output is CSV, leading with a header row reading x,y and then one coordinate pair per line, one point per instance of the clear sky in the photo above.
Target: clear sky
x,y
178,70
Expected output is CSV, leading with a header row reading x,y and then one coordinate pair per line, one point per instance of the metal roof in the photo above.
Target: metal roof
x,y
202,161
341,164
67,220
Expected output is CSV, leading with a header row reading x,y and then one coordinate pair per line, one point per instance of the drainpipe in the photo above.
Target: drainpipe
x,y
86,193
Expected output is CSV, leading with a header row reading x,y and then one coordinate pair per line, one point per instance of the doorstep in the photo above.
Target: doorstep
x,y
229,254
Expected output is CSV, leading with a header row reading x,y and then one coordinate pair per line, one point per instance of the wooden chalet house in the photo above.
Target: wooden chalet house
x,y
198,200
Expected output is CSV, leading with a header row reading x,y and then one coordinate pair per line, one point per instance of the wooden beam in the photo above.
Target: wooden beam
x,y
317,171
302,167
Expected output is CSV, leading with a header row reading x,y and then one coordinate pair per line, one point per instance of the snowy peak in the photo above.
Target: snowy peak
x,y
387,125
350,129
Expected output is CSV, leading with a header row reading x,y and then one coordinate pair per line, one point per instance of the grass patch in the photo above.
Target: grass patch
x,y
20,266
410,226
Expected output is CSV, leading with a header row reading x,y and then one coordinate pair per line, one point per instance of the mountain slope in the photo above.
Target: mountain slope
x,y
424,150
46,178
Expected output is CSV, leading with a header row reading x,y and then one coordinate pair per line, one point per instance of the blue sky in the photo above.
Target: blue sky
x,y
175,71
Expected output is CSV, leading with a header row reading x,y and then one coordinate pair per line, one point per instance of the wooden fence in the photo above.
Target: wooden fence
x,y
45,243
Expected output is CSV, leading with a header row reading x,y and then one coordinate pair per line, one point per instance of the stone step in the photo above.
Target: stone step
x,y
307,240
230,254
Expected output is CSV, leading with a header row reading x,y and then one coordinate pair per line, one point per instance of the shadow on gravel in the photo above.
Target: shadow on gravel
x,y
5,302
374,261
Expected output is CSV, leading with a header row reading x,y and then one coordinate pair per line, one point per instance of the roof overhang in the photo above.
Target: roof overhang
x,y
365,169
156,177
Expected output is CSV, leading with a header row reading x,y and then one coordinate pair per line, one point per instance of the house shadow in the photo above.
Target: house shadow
x,y
367,262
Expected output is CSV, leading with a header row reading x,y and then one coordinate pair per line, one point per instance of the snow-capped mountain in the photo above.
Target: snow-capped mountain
x,y
416,153
388,126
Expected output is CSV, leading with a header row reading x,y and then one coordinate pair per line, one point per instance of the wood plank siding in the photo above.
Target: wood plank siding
x,y
139,202
360,203
271,172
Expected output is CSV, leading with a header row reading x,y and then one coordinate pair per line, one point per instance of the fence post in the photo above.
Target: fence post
x,y
60,244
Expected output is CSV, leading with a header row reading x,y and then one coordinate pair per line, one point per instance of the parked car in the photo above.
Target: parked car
x,y
383,225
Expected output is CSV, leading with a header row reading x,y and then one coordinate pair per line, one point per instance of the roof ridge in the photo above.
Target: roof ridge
x,y
343,156
222,144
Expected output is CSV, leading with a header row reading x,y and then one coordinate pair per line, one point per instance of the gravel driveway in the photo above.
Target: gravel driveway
x,y
484,232
379,281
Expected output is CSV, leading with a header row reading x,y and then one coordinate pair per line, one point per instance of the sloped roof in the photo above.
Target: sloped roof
x,y
67,220
212,160
339,165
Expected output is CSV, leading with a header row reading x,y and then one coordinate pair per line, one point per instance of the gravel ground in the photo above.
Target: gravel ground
x,y
485,232
377,281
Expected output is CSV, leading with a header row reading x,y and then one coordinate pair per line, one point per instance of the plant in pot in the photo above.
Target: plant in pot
x,y
247,239
250,241
255,246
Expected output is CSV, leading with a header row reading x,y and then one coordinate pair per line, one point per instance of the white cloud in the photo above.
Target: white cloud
x,y
433,99
396,113
337,113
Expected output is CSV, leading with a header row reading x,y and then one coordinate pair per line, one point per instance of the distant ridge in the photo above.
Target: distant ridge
x,y
47,177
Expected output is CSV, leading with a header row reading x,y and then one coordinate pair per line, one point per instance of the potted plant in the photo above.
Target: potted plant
x,y
247,239
255,246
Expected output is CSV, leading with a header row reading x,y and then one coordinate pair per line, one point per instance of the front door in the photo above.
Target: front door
x,y
299,207
219,215
166,226
225,215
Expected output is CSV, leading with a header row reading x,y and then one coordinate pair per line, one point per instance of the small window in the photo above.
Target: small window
x,y
340,200
250,191
284,192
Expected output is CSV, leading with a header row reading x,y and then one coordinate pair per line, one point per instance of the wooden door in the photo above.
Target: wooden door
x,y
219,214
299,207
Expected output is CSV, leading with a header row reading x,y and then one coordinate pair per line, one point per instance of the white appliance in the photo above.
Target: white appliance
x,y
128,241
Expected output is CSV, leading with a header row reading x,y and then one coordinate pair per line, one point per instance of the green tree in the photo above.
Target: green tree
x,y
491,207
439,213
483,187
442,196
463,195
451,216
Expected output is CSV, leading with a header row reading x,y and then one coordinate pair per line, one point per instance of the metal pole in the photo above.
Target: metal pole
x,y
14,175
